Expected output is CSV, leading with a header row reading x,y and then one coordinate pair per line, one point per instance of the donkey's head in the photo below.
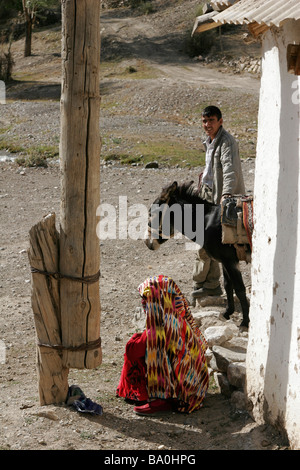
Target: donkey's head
x,y
165,215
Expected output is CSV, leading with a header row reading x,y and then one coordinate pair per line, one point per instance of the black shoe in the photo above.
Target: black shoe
x,y
203,292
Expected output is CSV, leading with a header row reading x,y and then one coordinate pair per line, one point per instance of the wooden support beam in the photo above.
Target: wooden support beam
x,y
205,22
80,184
257,29
297,67
43,257
293,58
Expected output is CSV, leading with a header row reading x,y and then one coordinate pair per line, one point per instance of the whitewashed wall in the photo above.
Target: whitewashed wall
x,y
273,359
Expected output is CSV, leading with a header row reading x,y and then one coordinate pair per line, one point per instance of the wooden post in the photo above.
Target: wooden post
x,y
65,265
43,257
80,184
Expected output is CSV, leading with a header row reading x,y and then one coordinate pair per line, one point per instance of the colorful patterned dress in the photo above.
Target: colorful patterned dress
x,y
174,364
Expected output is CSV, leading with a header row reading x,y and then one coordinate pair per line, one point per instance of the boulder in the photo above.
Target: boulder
x,y
223,384
207,318
236,374
225,356
217,335
237,344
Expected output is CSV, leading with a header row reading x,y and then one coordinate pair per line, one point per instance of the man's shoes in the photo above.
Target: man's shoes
x,y
203,292
153,407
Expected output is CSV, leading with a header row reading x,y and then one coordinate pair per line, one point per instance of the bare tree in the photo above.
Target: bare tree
x,y
30,9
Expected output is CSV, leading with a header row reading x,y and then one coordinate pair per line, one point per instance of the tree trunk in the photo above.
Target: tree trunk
x,y
29,18
28,36
80,184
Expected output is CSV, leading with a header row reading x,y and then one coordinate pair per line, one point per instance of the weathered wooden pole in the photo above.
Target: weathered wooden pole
x,y
65,265
80,184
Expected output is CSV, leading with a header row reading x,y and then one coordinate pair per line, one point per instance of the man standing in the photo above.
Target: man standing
x,y
222,177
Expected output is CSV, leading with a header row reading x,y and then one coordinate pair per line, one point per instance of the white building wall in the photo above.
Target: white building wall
x,y
273,359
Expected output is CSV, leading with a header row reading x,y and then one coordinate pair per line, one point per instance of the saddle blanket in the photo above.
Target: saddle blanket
x,y
237,220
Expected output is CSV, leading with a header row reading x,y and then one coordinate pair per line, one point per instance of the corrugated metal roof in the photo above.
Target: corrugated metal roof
x,y
223,3
270,12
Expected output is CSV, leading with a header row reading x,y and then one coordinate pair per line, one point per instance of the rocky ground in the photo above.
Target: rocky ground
x,y
163,104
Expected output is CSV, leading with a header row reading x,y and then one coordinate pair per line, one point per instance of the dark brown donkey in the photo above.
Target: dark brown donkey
x,y
186,196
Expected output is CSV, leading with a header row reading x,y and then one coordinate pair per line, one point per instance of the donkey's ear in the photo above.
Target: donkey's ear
x,y
168,191
172,188
188,184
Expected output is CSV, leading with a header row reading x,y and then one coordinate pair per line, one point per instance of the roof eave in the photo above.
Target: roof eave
x,y
205,22
259,15
209,21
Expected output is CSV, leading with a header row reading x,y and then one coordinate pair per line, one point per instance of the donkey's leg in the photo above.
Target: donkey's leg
x,y
233,271
228,286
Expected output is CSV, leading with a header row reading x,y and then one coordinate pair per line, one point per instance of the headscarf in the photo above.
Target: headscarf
x,y
175,353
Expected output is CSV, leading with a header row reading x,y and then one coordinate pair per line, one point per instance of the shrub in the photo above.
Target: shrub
x,y
200,43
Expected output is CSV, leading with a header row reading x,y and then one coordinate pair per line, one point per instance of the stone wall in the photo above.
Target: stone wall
x,y
245,64
226,355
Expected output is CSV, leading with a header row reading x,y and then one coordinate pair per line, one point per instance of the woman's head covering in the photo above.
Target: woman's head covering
x,y
175,357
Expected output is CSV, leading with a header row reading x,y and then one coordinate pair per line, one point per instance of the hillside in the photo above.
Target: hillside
x,y
139,55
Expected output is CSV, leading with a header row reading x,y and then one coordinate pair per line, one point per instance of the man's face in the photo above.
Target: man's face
x,y
211,125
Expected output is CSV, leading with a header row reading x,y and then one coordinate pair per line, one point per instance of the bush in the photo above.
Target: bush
x,y
9,9
200,43
146,8
143,5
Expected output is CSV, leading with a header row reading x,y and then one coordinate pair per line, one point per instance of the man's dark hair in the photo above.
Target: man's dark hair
x,y
212,111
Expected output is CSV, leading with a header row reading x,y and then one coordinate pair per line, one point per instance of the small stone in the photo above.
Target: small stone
x,y
151,165
43,443
48,414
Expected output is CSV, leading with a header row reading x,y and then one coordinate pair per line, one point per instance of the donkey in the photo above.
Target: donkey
x,y
187,195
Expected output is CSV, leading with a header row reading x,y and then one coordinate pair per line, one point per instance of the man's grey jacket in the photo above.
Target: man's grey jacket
x,y
226,165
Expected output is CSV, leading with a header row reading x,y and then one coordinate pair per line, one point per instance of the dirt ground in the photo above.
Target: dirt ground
x,y
157,106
